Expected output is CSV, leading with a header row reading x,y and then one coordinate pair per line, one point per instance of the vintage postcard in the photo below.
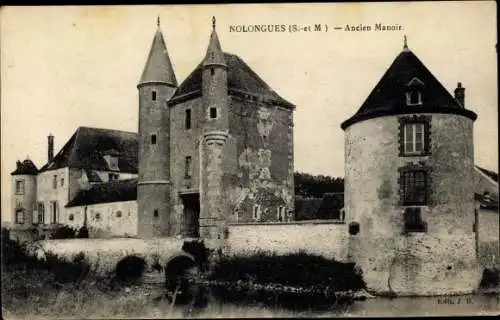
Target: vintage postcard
x,y
250,160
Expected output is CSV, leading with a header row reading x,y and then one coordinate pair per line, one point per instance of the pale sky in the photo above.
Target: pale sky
x,y
65,67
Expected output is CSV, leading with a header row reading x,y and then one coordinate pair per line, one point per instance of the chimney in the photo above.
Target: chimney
x,y
50,147
460,94
18,164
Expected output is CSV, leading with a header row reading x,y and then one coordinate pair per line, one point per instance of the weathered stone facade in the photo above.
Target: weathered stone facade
x,y
415,237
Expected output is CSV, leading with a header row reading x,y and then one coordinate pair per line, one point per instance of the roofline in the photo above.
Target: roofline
x,y
144,83
478,168
383,113
238,93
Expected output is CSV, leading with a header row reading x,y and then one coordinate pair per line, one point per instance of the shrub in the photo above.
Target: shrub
x,y
297,269
198,250
83,232
63,232
491,278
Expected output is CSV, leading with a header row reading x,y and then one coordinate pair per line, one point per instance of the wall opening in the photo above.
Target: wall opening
x,y
191,215
130,268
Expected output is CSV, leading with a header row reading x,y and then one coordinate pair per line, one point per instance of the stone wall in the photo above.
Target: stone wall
x,y
372,198
489,238
258,161
325,238
105,220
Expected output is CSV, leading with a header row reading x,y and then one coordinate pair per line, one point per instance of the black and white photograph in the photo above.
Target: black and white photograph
x,y
249,160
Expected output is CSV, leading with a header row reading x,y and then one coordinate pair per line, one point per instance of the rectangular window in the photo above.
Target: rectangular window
x,y
41,213
413,220
187,167
54,182
414,138
213,113
256,212
113,176
54,212
281,213
20,216
19,186
413,98
153,139
62,182
187,119
153,95
415,187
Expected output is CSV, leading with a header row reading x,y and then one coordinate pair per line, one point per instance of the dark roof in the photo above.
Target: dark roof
x,y
388,96
88,146
241,80
307,208
114,191
493,175
27,167
92,176
158,67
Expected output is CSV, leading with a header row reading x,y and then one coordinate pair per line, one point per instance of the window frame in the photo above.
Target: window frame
x,y
188,167
188,118
20,186
256,212
20,212
411,122
41,212
418,187
212,111
54,212
54,181
413,221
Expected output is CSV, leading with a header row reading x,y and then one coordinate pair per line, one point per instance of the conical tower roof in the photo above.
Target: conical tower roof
x,y
388,96
215,55
158,66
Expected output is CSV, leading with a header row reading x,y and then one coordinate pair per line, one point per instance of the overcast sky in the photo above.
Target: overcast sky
x,y
65,67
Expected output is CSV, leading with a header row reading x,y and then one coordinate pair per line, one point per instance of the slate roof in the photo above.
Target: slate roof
x,y
241,79
158,66
114,191
87,147
27,167
388,96
489,173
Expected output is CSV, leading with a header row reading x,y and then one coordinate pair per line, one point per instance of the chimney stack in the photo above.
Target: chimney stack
x,y
50,147
460,94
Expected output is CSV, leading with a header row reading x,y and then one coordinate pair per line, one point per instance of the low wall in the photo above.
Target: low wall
x,y
104,254
327,238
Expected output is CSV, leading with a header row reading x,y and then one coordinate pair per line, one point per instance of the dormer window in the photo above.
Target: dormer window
x,y
413,98
112,161
414,92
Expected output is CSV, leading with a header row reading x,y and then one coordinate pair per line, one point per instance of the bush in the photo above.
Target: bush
x,y
83,232
298,269
63,232
198,250
491,278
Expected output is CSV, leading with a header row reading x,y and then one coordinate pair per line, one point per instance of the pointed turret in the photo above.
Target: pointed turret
x,y
158,67
215,55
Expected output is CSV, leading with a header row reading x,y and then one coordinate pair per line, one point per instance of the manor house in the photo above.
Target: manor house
x,y
217,148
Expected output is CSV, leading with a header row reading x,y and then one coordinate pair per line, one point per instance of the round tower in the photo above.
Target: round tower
x,y
409,198
213,205
24,193
156,87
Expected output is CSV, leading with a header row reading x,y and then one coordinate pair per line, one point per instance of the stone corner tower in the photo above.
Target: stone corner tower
x,y
409,199
156,86
24,193
213,202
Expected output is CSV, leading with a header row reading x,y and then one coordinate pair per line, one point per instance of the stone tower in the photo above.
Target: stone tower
x,y
156,87
215,100
409,194
24,193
